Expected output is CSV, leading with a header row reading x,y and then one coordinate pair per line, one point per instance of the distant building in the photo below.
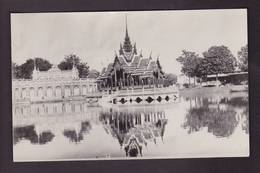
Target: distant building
x,y
52,85
235,78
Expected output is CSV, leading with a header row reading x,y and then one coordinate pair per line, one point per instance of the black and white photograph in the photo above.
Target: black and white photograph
x,y
119,85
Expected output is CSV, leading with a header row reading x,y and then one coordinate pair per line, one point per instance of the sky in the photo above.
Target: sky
x,y
95,36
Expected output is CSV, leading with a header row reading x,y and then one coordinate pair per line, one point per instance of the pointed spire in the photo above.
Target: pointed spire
x,y
127,46
127,39
121,49
150,57
34,65
158,56
116,54
135,51
126,30
141,53
73,64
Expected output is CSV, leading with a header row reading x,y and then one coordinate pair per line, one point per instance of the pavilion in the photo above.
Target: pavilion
x,y
131,69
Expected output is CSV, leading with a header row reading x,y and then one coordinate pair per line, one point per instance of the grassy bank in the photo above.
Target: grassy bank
x,y
209,92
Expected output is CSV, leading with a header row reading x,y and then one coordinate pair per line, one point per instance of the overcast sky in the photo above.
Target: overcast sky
x,y
94,36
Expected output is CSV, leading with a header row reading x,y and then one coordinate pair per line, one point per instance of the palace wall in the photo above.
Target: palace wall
x,y
45,90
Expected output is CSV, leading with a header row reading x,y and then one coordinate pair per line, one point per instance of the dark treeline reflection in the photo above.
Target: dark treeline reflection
x,y
29,133
134,130
76,137
220,116
235,101
245,125
242,103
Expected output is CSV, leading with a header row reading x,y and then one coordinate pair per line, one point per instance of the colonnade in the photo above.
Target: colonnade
x,y
33,90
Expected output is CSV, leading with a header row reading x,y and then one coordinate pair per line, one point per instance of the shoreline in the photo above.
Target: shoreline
x,y
211,92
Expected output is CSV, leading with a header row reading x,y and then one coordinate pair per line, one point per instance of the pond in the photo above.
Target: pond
x,y
189,128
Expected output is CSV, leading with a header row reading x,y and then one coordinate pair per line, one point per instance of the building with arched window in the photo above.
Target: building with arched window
x,y
52,85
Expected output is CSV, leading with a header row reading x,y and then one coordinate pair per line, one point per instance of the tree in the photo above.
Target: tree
x,y
42,64
15,70
190,62
71,60
221,123
203,68
243,58
219,59
25,70
93,74
170,79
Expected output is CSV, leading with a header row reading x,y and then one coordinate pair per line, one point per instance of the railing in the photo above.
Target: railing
x,y
144,91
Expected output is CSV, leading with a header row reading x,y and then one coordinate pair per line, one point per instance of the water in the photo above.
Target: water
x,y
191,127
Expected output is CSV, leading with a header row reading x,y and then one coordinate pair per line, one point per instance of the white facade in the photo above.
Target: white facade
x,y
53,84
55,73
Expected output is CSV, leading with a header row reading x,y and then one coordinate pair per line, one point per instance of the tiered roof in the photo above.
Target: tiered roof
x,y
130,61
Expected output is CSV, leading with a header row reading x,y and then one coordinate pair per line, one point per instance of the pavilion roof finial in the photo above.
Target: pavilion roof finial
x,y
141,53
127,46
34,64
115,54
126,30
151,54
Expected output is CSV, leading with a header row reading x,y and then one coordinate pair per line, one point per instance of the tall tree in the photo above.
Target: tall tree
x,y
243,58
189,61
42,64
219,59
204,68
71,59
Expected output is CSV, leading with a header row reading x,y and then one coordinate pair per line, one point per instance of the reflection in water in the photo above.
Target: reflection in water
x,y
245,114
29,133
242,103
77,137
134,129
218,115
219,122
76,130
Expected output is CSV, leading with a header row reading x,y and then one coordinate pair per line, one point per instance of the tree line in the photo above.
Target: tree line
x,y
216,60
25,70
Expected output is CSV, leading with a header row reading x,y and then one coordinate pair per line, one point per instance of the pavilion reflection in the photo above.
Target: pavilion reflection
x,y
134,129
29,133
220,115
